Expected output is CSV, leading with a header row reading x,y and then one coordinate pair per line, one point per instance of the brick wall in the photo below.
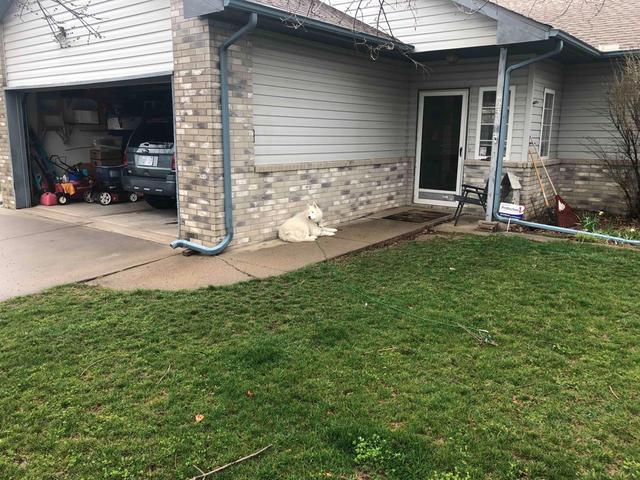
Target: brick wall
x,y
532,196
476,172
7,197
585,184
346,192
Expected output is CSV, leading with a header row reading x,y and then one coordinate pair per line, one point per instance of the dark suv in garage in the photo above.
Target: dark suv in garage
x,y
150,163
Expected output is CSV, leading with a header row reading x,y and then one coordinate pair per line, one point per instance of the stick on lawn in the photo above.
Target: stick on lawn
x,y
235,462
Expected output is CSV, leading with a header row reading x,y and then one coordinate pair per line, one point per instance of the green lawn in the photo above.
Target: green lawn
x,y
346,368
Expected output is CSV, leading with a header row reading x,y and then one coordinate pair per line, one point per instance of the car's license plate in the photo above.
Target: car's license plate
x,y
147,161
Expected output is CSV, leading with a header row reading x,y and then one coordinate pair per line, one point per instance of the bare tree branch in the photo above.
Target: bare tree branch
x,y
370,17
68,20
620,151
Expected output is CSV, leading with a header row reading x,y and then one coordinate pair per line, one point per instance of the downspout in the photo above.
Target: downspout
x,y
501,152
226,145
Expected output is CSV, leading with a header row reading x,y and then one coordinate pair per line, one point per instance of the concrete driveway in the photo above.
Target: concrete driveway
x,y
38,253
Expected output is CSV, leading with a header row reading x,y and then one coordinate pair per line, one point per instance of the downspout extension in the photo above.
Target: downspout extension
x,y
226,145
501,152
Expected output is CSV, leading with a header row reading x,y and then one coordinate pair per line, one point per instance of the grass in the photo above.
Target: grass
x,y
102,384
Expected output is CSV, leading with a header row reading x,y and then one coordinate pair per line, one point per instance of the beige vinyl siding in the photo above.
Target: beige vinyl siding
x,y
584,107
312,103
429,25
546,75
136,42
473,75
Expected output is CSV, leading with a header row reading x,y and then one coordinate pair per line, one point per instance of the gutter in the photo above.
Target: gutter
x,y
309,23
588,49
199,8
226,145
501,152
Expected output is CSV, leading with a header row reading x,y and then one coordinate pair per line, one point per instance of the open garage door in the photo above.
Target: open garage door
x,y
101,155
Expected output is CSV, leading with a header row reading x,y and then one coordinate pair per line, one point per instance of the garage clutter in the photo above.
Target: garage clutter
x,y
98,180
76,141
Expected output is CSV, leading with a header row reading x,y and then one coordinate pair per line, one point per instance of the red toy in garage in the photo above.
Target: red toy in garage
x,y
73,184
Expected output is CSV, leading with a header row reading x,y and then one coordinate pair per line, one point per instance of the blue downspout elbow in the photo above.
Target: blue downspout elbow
x,y
501,152
226,145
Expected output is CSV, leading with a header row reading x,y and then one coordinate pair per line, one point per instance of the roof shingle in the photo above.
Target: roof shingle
x,y
318,10
604,24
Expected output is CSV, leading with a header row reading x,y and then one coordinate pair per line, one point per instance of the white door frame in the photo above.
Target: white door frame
x,y
461,150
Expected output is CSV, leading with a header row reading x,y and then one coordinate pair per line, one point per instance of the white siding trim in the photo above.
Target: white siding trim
x,y
529,114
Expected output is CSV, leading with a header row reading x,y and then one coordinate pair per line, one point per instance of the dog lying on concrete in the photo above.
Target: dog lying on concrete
x,y
305,226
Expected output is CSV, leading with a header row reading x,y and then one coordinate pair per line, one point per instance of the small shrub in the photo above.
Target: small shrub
x,y
375,455
590,222
599,223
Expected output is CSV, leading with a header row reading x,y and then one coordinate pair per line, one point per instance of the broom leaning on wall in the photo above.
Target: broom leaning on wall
x,y
562,214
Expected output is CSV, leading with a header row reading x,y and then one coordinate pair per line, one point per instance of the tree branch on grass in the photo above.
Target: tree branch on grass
x,y
204,474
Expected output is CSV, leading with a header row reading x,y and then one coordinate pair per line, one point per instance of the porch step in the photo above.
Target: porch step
x,y
485,226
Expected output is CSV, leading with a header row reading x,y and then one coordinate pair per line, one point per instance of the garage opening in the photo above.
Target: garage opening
x,y
104,156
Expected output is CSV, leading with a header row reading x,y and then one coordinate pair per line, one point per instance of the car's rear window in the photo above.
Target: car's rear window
x,y
152,132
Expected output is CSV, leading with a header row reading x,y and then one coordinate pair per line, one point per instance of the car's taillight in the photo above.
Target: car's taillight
x,y
173,162
125,159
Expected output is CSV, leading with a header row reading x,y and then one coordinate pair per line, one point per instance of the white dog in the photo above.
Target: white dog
x,y
305,226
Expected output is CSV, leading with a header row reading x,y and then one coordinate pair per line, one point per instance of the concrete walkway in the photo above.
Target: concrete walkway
x,y
38,253
138,220
275,258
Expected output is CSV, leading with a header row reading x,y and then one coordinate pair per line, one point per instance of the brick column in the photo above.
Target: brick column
x,y
198,122
7,195
198,153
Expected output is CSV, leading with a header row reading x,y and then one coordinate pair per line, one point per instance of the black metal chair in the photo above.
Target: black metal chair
x,y
479,195
473,195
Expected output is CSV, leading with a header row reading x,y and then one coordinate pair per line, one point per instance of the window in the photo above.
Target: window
x,y
547,122
486,118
